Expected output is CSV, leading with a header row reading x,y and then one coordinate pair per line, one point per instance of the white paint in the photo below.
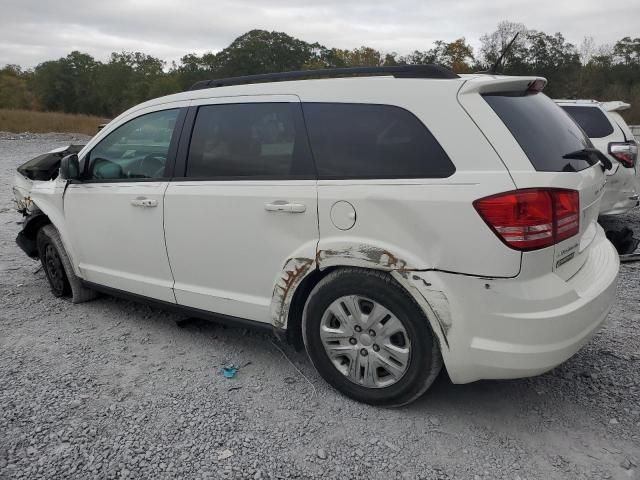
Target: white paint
x,y
343,215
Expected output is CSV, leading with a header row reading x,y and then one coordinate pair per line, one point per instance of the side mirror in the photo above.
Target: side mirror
x,y
70,167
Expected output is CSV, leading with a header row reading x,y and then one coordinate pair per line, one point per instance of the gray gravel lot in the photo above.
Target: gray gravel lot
x,y
114,389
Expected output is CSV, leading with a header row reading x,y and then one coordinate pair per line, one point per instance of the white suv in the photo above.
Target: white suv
x,y
611,135
390,223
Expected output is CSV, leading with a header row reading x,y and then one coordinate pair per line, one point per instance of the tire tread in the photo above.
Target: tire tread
x,y
436,361
79,293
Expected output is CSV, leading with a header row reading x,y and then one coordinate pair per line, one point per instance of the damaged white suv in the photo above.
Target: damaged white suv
x,y
391,222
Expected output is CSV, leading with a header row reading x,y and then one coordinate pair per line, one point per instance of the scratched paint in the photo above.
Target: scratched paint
x,y
433,301
361,255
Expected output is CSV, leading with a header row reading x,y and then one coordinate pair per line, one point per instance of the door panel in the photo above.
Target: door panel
x,y
226,247
118,236
115,216
246,204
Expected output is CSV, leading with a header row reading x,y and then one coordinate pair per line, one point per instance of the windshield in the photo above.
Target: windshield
x,y
543,130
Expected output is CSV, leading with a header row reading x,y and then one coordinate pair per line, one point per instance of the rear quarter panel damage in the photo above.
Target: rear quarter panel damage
x,y
419,285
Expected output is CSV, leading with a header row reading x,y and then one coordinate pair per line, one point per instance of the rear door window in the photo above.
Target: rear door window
x,y
546,133
592,120
249,141
351,141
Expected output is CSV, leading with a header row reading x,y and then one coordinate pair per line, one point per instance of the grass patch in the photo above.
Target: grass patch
x,y
18,121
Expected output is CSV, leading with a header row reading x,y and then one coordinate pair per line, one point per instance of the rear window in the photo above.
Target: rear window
x,y
546,134
591,119
351,141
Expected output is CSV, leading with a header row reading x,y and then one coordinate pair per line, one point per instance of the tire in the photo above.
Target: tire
x,y
405,363
57,267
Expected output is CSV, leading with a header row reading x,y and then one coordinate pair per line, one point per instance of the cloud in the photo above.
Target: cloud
x,y
32,31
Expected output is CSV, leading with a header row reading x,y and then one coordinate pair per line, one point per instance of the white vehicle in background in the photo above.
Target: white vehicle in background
x,y
612,136
389,223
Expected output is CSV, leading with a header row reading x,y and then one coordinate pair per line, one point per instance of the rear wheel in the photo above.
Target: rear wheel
x,y
57,267
369,339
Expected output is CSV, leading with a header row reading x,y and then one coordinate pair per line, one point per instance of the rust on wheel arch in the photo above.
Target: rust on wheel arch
x,y
293,272
434,302
362,255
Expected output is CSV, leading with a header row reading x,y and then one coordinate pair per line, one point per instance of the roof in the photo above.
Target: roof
x,y
378,88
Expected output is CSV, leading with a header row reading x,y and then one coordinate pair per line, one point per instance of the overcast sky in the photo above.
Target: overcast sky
x,y
32,31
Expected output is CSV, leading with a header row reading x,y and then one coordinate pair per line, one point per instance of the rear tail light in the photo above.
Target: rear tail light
x,y
532,218
625,152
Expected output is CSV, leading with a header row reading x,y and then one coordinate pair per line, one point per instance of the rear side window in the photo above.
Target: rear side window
x,y
249,140
351,141
591,119
546,134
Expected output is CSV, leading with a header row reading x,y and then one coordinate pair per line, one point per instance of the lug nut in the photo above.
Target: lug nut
x,y
364,352
357,328
372,333
353,341
376,348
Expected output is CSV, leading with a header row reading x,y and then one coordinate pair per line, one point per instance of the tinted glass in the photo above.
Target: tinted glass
x,y
591,119
372,141
543,130
249,140
138,149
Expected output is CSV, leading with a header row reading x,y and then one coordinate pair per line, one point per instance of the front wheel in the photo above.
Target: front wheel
x,y
57,267
51,259
369,339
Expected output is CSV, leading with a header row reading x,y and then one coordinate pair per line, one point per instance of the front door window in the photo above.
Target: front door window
x,y
136,150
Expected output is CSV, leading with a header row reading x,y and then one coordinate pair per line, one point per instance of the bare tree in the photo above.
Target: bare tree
x,y
492,44
587,49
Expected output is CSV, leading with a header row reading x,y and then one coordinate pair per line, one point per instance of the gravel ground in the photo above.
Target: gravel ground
x,y
113,389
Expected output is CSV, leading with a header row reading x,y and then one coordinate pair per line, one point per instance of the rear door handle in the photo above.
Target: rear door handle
x,y
144,202
284,206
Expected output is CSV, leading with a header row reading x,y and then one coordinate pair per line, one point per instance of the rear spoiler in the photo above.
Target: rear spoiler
x,y
501,83
616,106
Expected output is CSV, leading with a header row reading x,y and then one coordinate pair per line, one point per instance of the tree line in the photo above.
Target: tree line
x,y
78,83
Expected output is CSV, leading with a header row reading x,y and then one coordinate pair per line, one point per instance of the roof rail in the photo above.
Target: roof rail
x,y
399,71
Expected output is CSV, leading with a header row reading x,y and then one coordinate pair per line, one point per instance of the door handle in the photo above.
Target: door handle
x,y
284,206
144,202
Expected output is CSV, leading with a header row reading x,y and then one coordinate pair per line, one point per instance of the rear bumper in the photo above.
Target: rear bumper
x,y
511,328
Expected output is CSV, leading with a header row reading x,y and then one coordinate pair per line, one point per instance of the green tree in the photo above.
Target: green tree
x,y
259,51
67,84
14,88
458,56
79,83
627,51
